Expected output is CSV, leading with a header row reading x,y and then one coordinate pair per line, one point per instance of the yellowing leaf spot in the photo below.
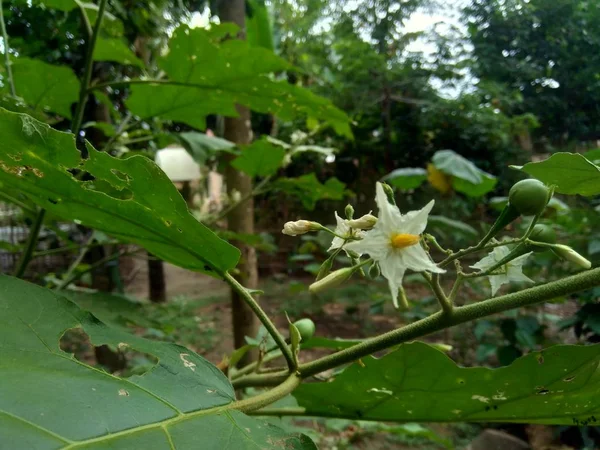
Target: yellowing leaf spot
x,y
186,363
481,398
123,392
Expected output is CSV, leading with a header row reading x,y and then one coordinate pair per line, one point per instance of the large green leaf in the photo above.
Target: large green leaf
x,y
114,49
406,178
214,77
570,173
466,176
261,158
49,399
202,146
45,87
559,385
309,190
130,199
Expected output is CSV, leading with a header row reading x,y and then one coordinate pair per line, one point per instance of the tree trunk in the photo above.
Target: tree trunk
x,y
240,219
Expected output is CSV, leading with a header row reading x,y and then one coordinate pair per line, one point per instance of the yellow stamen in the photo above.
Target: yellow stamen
x,y
404,240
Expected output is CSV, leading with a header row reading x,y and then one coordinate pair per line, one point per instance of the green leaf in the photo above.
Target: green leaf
x,y
487,184
258,25
45,87
559,385
309,190
112,309
406,178
49,399
571,173
593,155
217,76
202,146
115,50
130,199
466,176
259,159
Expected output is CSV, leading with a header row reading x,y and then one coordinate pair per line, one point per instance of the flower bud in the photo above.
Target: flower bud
x,y
365,222
374,271
389,192
349,212
567,253
300,227
334,279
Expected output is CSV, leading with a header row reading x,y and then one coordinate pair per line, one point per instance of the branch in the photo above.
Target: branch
x,y
262,316
9,74
31,243
89,64
439,320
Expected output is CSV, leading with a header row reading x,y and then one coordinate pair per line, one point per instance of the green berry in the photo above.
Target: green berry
x,y
542,233
306,327
529,197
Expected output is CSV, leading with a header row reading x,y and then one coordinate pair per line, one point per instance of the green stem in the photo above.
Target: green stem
x,y
87,74
31,243
75,263
9,74
476,248
254,365
68,248
74,277
258,380
75,127
264,319
118,132
463,314
434,283
269,397
291,411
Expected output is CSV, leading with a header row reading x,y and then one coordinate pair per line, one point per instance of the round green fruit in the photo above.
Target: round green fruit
x,y
529,197
542,233
306,327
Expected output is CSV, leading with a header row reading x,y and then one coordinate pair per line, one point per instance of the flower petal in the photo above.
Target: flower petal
x,y
415,222
374,243
416,258
389,216
496,281
394,273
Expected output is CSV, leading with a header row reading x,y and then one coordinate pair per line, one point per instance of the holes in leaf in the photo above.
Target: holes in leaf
x,y
120,360
108,189
121,175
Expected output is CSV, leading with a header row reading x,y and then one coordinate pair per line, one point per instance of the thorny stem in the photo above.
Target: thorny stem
x,y
75,126
264,319
436,322
476,248
9,74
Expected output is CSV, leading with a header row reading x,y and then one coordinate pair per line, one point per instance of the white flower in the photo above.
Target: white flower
x,y
511,271
394,242
343,229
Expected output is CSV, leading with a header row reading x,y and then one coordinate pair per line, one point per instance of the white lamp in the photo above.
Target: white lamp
x,y
178,164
